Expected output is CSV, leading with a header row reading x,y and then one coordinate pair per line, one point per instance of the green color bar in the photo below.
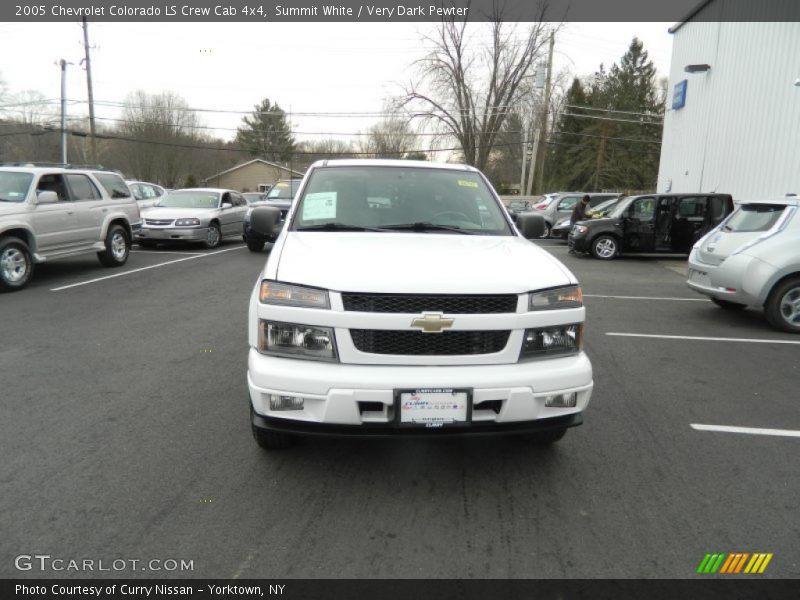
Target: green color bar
x,y
703,563
718,564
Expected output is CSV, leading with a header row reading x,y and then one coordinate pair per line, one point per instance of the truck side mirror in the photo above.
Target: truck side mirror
x,y
264,218
46,197
530,226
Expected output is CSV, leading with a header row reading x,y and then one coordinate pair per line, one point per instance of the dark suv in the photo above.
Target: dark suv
x,y
280,196
652,223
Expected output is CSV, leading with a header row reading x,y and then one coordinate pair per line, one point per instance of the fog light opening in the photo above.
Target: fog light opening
x,y
569,400
278,402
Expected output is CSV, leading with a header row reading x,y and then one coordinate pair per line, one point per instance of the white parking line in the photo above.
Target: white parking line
x,y
167,252
675,299
164,264
748,430
702,339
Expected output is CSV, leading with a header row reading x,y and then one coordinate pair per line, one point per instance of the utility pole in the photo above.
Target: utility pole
x,y
541,148
63,64
524,136
92,131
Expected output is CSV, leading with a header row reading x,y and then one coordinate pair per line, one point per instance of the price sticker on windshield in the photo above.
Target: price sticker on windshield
x,y
467,183
319,205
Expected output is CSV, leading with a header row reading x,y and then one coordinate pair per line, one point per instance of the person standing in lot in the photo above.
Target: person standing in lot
x,y
579,213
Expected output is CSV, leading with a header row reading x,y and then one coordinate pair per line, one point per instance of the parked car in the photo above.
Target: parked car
x,y
651,223
599,205
432,315
518,206
205,215
55,212
254,197
561,206
280,196
753,259
146,194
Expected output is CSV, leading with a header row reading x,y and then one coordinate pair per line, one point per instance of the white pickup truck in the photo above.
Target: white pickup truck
x,y
400,299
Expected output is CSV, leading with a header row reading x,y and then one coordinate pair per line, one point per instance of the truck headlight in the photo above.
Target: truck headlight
x,y
552,341
272,292
187,222
296,341
569,296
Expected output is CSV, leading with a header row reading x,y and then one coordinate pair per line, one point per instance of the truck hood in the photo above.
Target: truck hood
x,y
418,263
13,208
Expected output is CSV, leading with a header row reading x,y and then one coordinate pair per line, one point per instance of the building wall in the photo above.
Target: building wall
x,y
248,177
739,131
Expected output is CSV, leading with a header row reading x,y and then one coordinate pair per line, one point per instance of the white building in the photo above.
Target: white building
x,y
732,123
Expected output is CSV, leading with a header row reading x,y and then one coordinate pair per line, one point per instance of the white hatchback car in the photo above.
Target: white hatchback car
x,y
753,259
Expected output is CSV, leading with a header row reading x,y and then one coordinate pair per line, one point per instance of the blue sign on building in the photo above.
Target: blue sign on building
x,y
679,95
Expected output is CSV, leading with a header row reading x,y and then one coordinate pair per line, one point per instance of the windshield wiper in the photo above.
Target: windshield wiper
x,y
424,226
336,227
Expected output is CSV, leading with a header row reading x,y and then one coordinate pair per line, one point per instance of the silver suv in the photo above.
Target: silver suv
x,y
55,212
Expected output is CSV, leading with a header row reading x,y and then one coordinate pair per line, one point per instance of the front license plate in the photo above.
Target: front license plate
x,y
433,408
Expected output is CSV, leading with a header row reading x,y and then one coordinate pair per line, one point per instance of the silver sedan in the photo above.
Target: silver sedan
x,y
205,215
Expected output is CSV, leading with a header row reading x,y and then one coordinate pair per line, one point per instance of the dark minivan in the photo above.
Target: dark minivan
x,y
669,223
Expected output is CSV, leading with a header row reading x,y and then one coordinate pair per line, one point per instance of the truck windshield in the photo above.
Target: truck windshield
x,y
283,190
14,186
406,199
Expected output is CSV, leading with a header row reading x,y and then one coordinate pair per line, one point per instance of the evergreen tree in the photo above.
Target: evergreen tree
x,y
266,133
601,147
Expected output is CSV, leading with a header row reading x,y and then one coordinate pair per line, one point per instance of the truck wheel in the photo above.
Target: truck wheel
x,y
728,305
118,247
783,306
255,245
16,264
545,438
605,247
272,440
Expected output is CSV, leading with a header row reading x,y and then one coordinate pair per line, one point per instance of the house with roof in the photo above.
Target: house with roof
x,y
256,175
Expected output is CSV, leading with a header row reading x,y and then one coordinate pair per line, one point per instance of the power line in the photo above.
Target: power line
x,y
609,137
622,112
611,119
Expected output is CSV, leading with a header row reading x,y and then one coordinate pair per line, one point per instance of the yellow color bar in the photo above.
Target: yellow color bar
x,y
765,563
753,564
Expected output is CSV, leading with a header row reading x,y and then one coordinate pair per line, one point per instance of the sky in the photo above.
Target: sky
x,y
230,67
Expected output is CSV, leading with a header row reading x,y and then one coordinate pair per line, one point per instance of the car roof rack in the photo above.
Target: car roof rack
x,y
54,165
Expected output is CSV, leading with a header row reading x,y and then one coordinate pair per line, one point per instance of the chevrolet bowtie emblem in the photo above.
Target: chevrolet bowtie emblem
x,y
432,323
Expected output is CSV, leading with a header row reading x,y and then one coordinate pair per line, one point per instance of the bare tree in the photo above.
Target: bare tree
x,y
154,127
390,138
466,88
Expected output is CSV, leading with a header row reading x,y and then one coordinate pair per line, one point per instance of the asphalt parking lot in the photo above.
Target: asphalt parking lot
x,y
126,435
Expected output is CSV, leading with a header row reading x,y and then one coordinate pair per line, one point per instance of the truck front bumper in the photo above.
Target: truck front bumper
x,y
347,399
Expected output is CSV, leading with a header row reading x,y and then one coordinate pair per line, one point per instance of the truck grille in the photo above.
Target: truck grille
x,y
444,303
159,222
381,341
